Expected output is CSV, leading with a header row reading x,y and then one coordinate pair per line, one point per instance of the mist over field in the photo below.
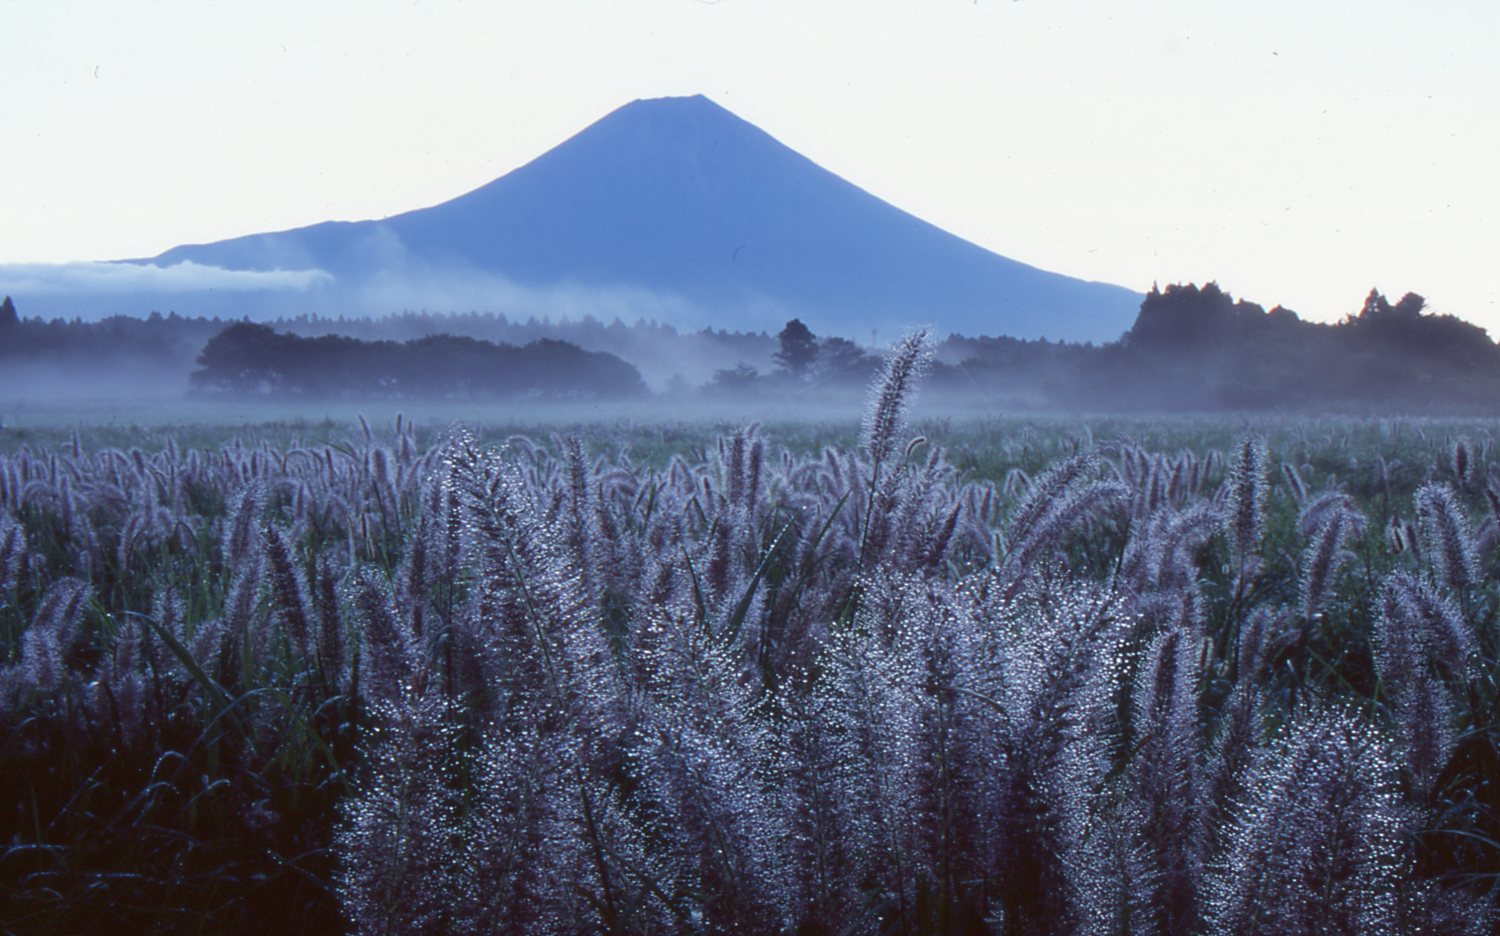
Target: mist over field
x,y
1190,348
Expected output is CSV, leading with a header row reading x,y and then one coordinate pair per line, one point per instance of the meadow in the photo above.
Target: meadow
x,y
907,673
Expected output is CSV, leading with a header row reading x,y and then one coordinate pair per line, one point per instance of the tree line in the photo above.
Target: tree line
x,y
1197,347
252,359
1191,348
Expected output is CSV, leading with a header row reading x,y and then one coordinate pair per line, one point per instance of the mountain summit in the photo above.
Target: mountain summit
x,y
680,202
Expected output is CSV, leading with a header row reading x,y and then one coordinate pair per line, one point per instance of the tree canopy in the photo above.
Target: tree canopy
x,y
798,348
256,359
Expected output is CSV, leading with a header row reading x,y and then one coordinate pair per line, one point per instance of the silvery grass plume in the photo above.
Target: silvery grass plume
x,y
1056,505
1321,843
1163,805
170,612
1442,627
1158,480
1421,639
240,526
1324,555
869,727
393,663
917,516
244,645
1055,866
1234,747
547,851
12,557
528,578
708,766
1265,633
550,852
1447,540
119,702
1460,460
923,643
1245,502
54,634
577,500
958,749
890,396
401,837
333,670
290,602
1312,514
825,861
1162,551
741,456
1492,497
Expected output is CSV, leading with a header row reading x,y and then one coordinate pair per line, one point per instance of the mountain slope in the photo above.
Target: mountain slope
x,y
679,197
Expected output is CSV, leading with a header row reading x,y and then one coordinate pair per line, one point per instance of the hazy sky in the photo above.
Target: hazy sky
x,y
1298,152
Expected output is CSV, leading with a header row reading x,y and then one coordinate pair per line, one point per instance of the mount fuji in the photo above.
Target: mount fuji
x,y
671,209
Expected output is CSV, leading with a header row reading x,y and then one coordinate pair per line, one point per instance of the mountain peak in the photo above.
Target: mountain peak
x,y
689,104
669,120
680,101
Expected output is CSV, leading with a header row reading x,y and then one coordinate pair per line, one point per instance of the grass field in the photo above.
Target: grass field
x,y
576,670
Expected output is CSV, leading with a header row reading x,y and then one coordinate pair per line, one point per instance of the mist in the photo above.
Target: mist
x,y
130,381
1191,349
91,291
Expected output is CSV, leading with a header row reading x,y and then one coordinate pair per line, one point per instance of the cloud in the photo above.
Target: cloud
x,y
114,278
399,282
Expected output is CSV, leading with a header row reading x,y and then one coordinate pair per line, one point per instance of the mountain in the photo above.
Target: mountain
x,y
676,209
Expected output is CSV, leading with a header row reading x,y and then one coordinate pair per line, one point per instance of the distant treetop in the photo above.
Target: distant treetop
x,y
254,359
799,348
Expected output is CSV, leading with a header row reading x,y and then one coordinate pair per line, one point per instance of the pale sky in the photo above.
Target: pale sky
x,y
1296,152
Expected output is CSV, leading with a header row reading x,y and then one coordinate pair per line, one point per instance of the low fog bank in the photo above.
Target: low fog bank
x,y
157,355
666,356
1191,349
46,381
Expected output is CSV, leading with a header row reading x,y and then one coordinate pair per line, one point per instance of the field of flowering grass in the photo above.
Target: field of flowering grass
x,y
1049,676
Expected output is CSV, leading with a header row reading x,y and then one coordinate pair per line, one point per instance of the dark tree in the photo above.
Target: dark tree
x,y
1375,306
1411,305
842,361
8,313
799,348
244,356
736,380
253,358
